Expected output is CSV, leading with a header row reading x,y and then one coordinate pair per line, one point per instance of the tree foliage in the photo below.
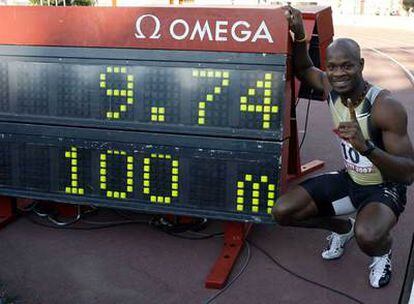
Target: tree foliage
x,y
60,2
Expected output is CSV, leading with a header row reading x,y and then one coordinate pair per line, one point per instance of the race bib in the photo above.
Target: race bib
x,y
355,161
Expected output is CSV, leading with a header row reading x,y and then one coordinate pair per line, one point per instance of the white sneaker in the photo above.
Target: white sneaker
x,y
337,242
380,274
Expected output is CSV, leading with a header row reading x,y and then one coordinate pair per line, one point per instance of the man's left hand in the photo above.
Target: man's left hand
x,y
351,131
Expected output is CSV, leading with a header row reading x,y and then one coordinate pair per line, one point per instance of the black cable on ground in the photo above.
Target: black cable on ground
x,y
193,238
95,227
196,224
301,277
171,230
177,229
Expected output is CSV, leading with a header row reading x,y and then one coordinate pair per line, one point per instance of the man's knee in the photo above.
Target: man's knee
x,y
369,238
282,213
372,228
295,205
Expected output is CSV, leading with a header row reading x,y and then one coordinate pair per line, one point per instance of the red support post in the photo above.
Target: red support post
x,y
7,210
234,237
66,210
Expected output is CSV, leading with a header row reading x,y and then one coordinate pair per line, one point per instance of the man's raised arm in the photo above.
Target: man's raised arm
x,y
303,65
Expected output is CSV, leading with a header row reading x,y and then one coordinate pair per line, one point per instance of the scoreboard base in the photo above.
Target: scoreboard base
x,y
234,238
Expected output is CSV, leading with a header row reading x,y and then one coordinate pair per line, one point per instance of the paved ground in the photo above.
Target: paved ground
x,y
138,264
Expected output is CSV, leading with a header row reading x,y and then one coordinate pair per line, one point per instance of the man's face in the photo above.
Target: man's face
x,y
344,71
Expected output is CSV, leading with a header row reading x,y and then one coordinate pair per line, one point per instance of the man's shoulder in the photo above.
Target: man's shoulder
x,y
387,110
385,101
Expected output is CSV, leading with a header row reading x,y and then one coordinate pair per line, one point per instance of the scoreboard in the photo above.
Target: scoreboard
x,y
173,110
152,91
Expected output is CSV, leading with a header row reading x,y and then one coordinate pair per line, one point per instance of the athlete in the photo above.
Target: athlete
x,y
371,127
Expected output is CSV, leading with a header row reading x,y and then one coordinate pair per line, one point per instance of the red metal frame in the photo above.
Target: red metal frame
x,y
295,169
234,237
121,27
319,22
7,210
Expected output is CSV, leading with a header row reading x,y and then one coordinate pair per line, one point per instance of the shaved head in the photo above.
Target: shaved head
x,y
346,45
344,66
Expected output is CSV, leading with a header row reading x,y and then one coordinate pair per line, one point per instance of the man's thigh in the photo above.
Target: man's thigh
x,y
330,193
296,201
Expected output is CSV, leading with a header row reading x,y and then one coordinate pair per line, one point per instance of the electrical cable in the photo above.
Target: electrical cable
x,y
154,222
306,124
169,229
71,222
39,213
104,223
297,101
55,221
28,209
176,230
268,255
180,236
271,258
173,227
246,263
216,234
95,227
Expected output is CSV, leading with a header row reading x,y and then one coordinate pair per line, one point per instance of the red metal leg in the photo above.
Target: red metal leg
x,y
66,210
24,203
7,210
311,167
234,237
307,168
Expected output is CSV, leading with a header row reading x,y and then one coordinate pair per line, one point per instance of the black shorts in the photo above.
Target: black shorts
x,y
335,193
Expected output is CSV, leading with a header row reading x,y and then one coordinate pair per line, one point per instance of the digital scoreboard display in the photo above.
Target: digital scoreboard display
x,y
143,92
235,179
189,132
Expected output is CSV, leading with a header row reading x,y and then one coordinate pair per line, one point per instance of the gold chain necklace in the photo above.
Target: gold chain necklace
x,y
360,98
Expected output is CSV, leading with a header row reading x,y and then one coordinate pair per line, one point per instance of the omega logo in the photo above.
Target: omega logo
x,y
155,34
218,30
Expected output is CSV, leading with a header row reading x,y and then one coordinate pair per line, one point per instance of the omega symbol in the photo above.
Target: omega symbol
x,y
155,35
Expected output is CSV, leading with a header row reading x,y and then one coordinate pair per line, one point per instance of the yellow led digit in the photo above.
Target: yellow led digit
x,y
124,96
223,76
74,177
174,178
256,187
240,196
270,197
264,85
103,173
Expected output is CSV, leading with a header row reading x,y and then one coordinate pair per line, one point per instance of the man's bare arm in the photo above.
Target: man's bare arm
x,y
397,161
303,66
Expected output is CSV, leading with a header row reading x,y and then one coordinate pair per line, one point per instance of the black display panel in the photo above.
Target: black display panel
x,y
230,179
221,96
189,133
